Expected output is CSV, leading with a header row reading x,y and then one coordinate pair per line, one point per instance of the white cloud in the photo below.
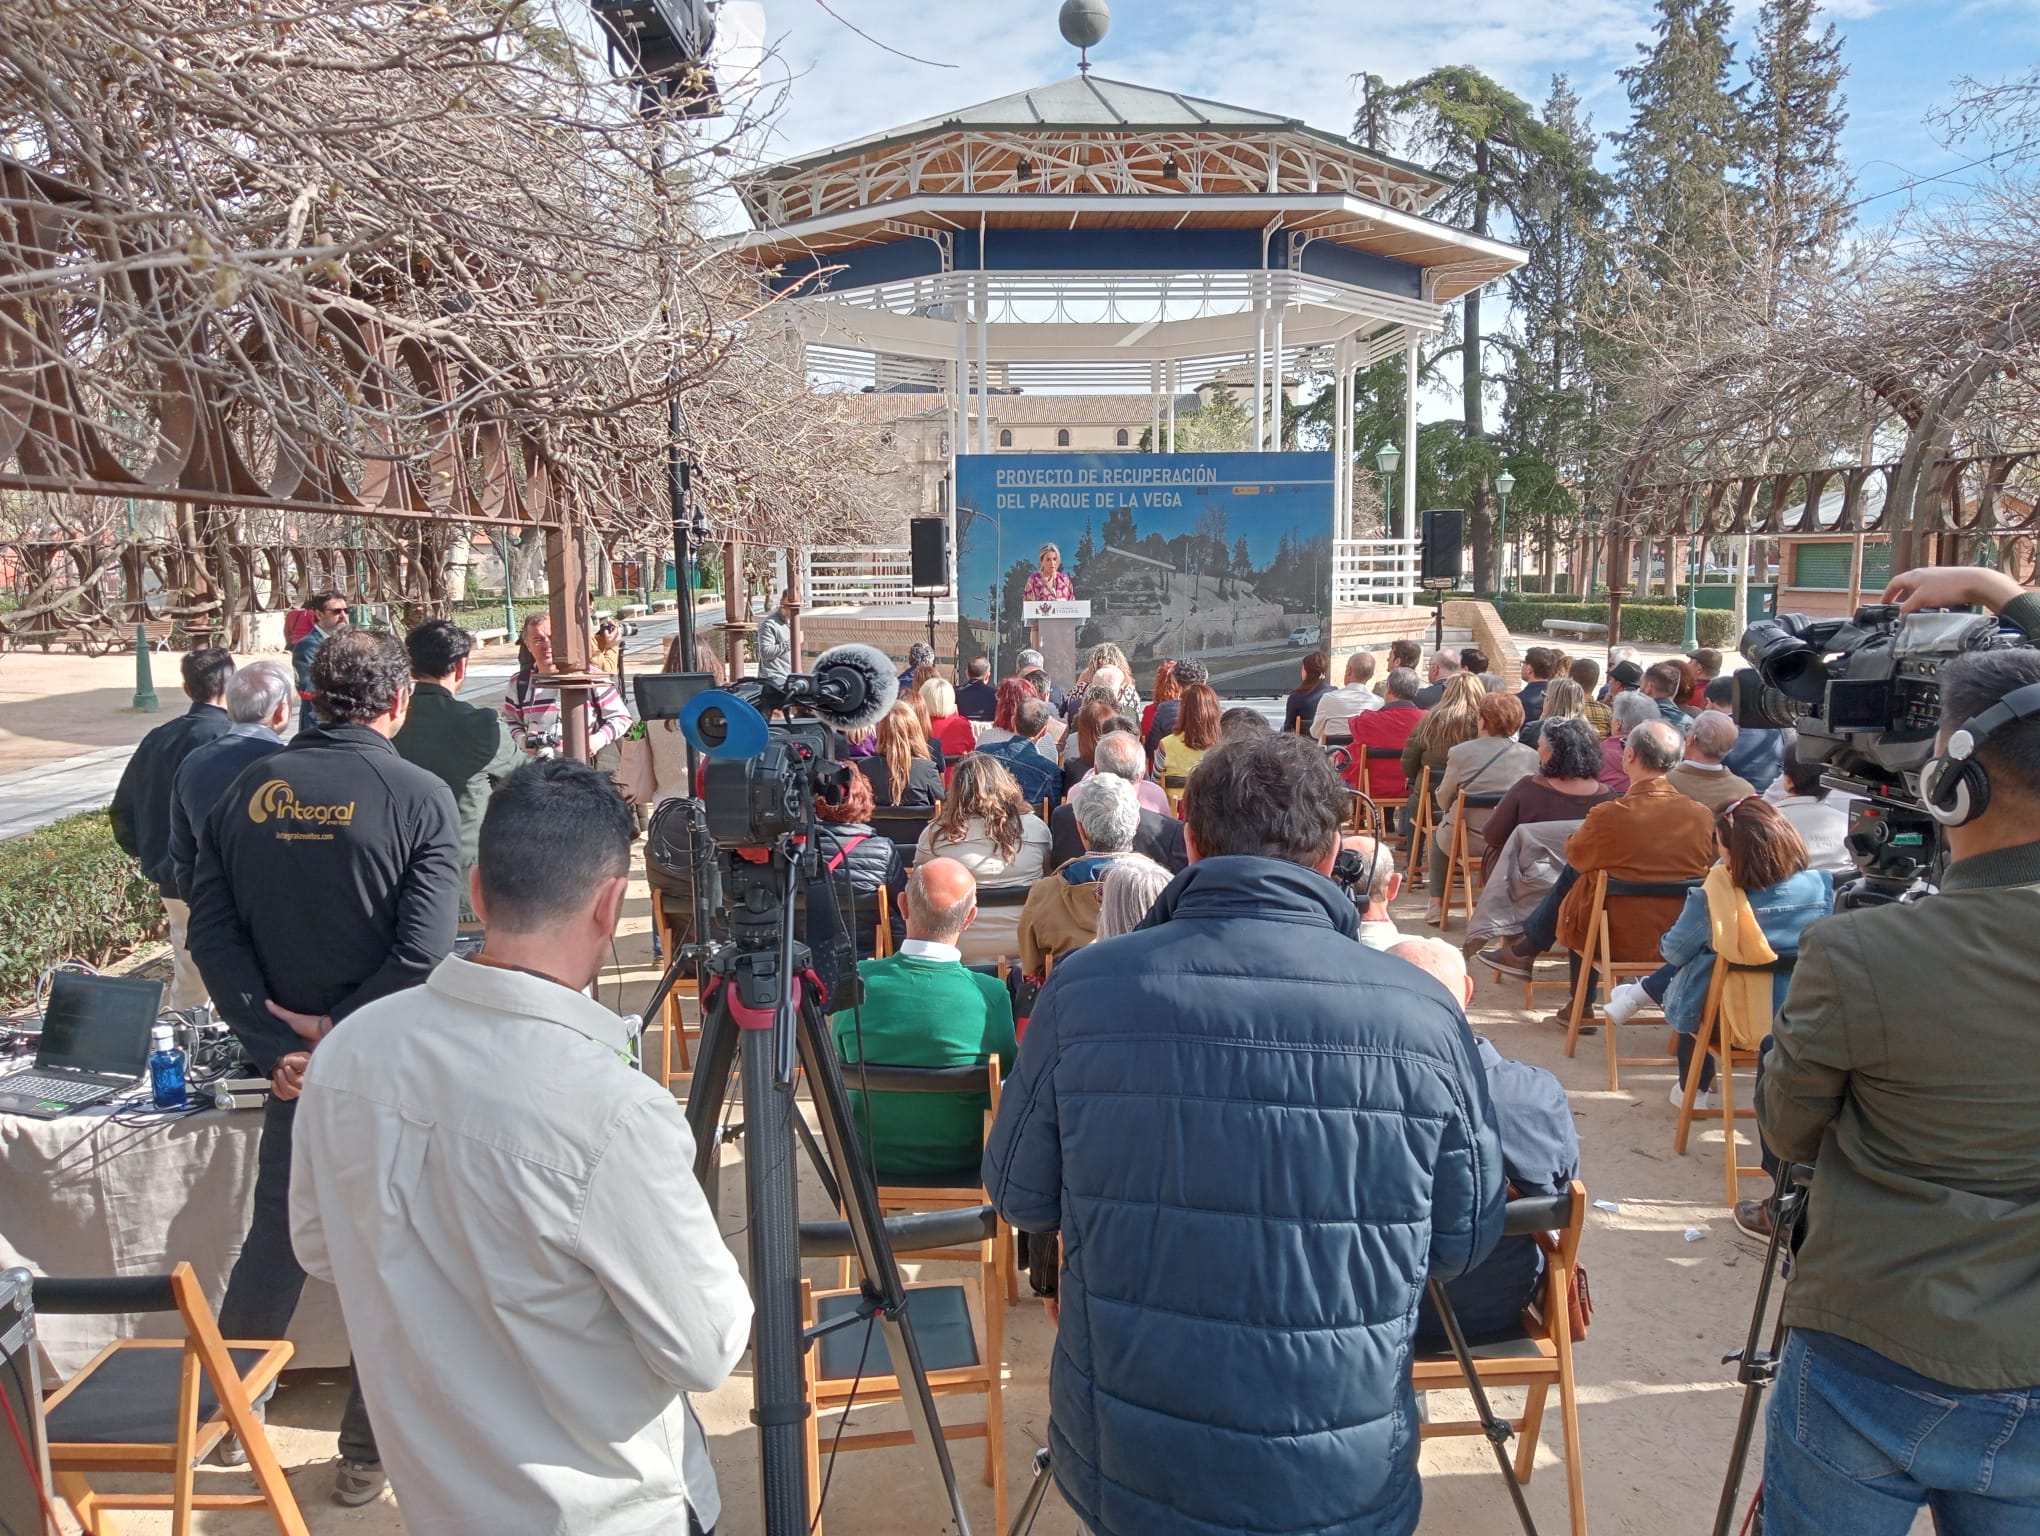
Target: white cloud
x,y
1851,10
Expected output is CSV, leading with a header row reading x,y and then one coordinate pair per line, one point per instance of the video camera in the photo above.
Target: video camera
x,y
1864,695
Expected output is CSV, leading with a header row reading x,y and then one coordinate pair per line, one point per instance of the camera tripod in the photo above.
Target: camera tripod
x,y
1757,1368
761,1011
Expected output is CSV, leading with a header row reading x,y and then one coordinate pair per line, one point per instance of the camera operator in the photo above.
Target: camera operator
x,y
328,876
527,1306
1257,1141
1906,1067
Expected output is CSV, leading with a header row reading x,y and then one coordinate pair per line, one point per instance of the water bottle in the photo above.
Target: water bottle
x,y
166,1069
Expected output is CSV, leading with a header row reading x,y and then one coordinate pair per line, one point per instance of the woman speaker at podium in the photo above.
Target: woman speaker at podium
x,y
1050,583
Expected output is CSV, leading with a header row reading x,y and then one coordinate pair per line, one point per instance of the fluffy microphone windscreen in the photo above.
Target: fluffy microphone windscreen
x,y
855,685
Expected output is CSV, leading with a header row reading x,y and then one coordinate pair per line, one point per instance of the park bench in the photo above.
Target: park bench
x,y
1579,629
490,636
665,605
634,610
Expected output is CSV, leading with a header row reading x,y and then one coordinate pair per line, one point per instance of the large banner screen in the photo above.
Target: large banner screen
x,y
1225,557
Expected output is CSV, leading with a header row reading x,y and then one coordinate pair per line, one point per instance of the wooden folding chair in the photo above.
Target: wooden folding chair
x,y
961,1189
1461,868
1423,827
1727,1057
1600,964
904,826
1536,1359
959,1326
161,1406
674,1030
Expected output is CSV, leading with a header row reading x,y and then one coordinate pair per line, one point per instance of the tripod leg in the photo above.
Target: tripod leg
x,y
1497,1430
1757,1369
1036,1492
874,1253
710,1088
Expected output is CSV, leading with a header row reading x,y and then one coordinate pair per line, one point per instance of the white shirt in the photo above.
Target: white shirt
x,y
1379,933
1823,825
530,1275
1341,705
929,949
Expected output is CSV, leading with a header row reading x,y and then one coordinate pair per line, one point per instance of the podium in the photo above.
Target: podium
x,y
1054,627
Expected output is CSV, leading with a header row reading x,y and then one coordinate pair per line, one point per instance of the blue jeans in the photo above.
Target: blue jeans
x,y
1848,1451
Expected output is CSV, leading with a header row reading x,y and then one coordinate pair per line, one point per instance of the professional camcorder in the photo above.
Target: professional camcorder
x,y
1864,695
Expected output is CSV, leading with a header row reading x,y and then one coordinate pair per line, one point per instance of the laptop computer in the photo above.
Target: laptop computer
x,y
95,1044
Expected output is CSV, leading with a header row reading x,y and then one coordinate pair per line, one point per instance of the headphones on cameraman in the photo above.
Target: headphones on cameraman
x,y
1954,785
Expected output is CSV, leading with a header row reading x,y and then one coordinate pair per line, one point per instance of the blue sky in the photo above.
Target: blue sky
x,y
1299,55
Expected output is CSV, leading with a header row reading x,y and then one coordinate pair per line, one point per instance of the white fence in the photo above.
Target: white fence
x,y
1374,571
849,577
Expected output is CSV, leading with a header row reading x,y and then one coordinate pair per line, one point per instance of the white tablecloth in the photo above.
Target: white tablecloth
x,y
83,1196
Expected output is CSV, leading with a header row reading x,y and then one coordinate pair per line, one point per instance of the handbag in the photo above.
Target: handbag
x,y
1579,1295
635,774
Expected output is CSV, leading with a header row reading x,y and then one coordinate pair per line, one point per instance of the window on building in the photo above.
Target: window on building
x,y
1005,437
1120,438
1062,437
1823,566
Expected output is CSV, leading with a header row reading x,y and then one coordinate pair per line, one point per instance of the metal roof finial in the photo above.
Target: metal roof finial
x,y
1084,24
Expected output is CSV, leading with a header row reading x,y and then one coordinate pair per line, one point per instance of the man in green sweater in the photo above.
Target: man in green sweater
x,y
924,1008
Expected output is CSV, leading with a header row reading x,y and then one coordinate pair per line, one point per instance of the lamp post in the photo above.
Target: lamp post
x,y
144,701
1504,483
1690,637
1592,518
1387,460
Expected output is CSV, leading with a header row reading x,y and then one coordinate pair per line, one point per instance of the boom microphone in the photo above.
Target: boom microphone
x,y
854,686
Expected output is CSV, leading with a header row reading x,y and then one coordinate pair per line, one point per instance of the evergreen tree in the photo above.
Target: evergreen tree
x,y
1086,546
1687,136
1799,191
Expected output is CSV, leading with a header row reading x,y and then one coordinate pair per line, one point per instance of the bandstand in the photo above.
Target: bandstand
x,y
1095,235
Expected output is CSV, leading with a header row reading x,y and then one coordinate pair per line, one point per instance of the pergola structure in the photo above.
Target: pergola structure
x,y
1098,235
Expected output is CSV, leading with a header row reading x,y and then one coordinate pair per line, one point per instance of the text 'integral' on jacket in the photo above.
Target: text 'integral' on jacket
x,y
1257,1138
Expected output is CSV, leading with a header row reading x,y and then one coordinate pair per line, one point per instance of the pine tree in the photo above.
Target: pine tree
x,y
1686,138
1799,192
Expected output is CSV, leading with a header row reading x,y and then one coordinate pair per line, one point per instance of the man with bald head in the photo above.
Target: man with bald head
x,y
1540,1156
924,1008
1703,774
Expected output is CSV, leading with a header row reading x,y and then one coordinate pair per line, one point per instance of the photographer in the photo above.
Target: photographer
x,y
532,708
1905,1067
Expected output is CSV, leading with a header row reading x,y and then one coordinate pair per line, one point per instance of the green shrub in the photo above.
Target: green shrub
x,y
1645,623
67,892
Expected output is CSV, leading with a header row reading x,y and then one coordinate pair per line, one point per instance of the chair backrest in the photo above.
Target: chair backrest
x,y
904,825
1616,889
1003,895
1480,800
880,1078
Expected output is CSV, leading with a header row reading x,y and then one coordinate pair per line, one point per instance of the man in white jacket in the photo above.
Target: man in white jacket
x,y
530,1275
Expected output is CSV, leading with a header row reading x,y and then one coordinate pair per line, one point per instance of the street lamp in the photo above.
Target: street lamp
x,y
1690,639
1504,483
144,701
1592,518
1387,460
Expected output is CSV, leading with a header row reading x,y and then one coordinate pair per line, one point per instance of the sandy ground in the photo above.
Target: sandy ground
x,y
1657,1405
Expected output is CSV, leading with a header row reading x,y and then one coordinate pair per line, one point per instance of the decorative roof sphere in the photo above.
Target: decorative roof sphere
x,y
1084,23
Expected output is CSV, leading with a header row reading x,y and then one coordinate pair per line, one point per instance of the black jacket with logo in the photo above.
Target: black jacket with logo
x,y
141,804
328,876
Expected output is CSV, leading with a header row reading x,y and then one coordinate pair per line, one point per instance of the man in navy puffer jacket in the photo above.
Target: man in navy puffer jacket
x,y
1257,1137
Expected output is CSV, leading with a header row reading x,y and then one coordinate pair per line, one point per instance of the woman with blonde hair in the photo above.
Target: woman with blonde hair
x,y
1489,764
1050,583
1106,655
1453,719
1564,699
902,771
946,726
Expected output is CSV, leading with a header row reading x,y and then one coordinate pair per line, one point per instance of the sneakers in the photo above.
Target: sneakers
x,y
1755,1218
1503,958
1708,1100
231,1452
1625,1001
356,1483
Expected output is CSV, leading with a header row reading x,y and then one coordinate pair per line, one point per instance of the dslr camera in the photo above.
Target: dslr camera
x,y
1864,695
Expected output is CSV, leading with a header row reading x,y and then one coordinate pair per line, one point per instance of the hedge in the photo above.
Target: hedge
x,y
1649,623
67,892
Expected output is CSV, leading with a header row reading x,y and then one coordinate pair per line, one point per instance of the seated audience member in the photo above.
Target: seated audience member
x,y
1062,907
988,826
1665,683
1758,756
913,700
1097,710
1444,667
1702,667
919,654
1167,690
858,860
1763,881
1151,796
1126,891
1243,720
952,729
1391,726
1109,657
1561,788
1184,1162
1033,661
1159,835
977,699
1587,673
1564,699
902,770
1052,740
1012,693
1474,662
1357,697
1379,884
1026,754
470,1174
1625,674
1491,763
1629,710
1401,653
923,1007
1299,710
1196,733
1702,774
1818,814
1536,679
1540,1156
1456,719
1651,835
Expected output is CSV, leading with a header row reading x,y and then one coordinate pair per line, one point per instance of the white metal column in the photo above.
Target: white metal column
x,y
1155,377
1260,360
1342,438
960,441
984,362
1275,382
1175,388
1409,433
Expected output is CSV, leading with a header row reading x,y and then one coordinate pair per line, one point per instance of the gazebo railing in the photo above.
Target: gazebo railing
x,y
1374,571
